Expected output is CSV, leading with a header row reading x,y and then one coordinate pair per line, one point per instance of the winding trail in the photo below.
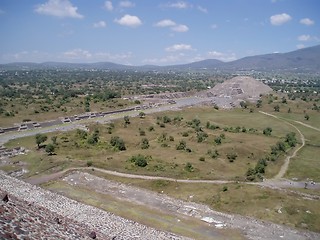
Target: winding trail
x,y
285,165
307,125
46,178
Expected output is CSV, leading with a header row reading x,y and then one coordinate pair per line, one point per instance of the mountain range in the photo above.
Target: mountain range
x,y
306,60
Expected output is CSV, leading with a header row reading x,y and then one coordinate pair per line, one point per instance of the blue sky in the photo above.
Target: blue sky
x,y
160,32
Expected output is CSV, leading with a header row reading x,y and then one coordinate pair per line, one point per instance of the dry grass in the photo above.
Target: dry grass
x,y
278,206
181,225
167,161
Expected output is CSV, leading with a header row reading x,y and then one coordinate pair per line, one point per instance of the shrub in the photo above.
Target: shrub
x,y
267,131
118,143
50,148
142,132
166,119
232,156
189,167
182,145
139,160
213,153
291,139
144,143
89,163
185,134
217,140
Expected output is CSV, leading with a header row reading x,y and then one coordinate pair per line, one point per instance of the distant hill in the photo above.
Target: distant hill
x,y
302,60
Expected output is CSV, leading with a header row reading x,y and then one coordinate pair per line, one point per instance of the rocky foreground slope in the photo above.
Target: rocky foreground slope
x,y
29,212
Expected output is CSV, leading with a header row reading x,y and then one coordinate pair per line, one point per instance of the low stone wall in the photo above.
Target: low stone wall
x,y
35,213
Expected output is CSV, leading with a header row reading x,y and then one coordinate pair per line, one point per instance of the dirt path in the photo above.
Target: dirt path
x,y
272,183
36,180
285,165
307,125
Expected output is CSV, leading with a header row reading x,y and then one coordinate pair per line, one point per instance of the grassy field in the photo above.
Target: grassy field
x,y
163,157
165,160
306,164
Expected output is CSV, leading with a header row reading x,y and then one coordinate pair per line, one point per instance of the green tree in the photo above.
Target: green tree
x,y
50,149
281,146
94,138
243,104
139,160
118,143
41,138
291,139
126,120
142,114
267,131
259,103
277,108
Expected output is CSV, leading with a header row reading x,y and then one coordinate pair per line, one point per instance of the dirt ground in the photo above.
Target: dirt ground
x,y
251,228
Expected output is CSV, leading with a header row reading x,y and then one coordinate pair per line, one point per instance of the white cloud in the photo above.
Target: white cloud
x,y
300,46
129,21
58,8
179,4
180,28
80,55
214,26
126,4
226,57
74,55
169,59
280,19
165,23
77,54
304,38
27,56
173,26
100,24
307,21
179,47
108,5
202,9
